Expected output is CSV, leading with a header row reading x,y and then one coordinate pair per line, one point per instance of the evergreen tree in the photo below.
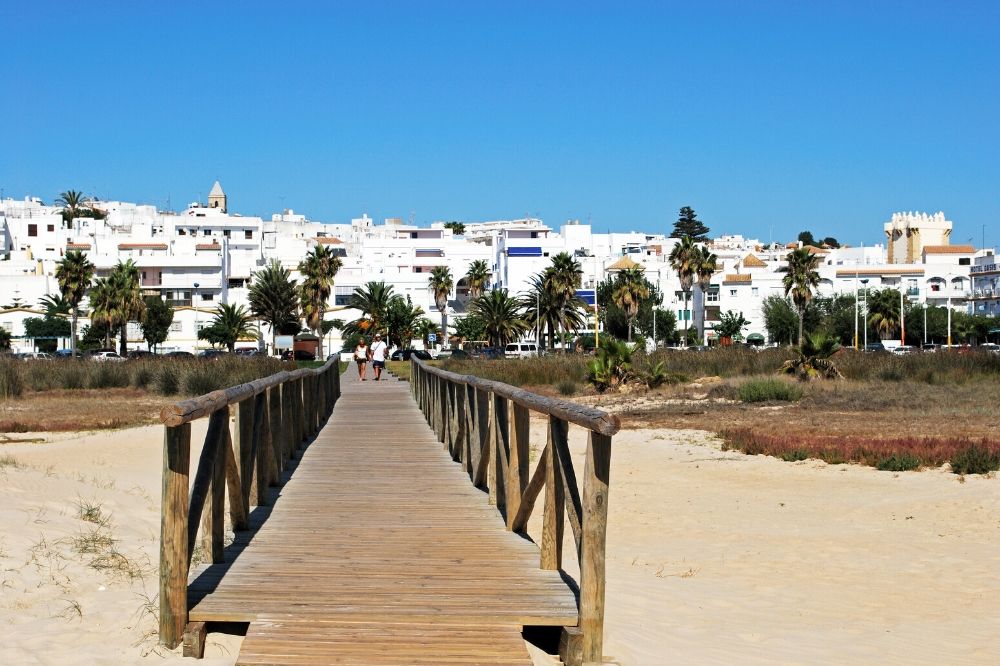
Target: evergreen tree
x,y
806,238
688,224
156,325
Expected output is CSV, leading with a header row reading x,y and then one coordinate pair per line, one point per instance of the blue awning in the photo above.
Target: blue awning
x,y
524,252
588,296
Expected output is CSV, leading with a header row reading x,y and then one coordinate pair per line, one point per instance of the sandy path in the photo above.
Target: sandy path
x,y
718,557
712,557
55,607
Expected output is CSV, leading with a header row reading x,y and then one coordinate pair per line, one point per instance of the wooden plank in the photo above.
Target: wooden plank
x,y
194,640
517,469
203,477
173,534
555,500
237,509
213,521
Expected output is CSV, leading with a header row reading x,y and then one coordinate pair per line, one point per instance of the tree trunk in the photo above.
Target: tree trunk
x,y
444,327
72,342
686,319
630,331
802,314
123,340
319,334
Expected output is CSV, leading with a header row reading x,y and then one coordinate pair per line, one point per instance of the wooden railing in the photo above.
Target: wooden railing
x,y
273,417
485,426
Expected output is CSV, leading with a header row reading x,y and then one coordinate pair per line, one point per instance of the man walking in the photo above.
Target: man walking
x,y
377,352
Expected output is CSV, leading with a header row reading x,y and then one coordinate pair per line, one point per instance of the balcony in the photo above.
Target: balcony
x,y
986,294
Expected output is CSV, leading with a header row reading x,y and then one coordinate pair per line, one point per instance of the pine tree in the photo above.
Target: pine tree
x,y
688,224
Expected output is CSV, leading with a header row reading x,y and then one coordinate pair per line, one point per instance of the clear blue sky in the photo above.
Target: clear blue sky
x,y
767,118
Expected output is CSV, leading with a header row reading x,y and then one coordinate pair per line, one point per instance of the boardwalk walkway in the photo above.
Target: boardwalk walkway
x,y
378,550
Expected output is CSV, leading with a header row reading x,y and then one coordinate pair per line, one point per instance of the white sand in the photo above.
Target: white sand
x,y
713,557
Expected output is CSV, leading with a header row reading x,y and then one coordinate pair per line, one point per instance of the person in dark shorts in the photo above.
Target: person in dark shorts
x,y
361,356
377,354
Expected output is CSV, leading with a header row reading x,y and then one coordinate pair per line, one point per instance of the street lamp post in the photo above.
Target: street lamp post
x,y
902,316
856,310
865,283
194,302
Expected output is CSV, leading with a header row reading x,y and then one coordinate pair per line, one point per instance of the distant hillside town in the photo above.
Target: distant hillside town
x,y
204,256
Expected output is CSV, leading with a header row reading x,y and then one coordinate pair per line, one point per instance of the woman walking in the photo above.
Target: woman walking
x,y
361,356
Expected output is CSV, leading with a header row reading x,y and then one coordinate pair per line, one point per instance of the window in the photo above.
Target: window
x,y
206,232
248,234
50,227
755,291
32,230
732,292
964,261
712,296
684,315
225,233
207,297
175,327
181,232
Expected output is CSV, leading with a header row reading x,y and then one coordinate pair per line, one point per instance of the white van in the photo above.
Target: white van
x,y
520,350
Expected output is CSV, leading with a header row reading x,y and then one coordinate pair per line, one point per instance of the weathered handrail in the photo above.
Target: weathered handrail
x,y
485,426
274,415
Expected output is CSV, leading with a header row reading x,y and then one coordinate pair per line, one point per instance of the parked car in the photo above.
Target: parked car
x,y
179,354
136,354
405,354
249,351
488,353
520,350
36,356
902,350
298,355
990,347
460,355
875,347
63,354
931,347
213,354
106,357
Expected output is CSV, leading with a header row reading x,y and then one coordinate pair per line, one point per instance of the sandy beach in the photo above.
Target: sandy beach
x,y
713,557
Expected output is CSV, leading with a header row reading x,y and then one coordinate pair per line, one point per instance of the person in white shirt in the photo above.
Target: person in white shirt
x,y
377,353
361,356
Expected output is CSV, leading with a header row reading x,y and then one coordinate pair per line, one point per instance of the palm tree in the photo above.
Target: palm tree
x,y
561,280
72,202
423,330
402,321
231,322
705,266
74,273
883,308
541,309
441,284
800,280
476,277
684,261
318,270
274,299
55,304
129,305
502,316
102,307
630,293
373,300
813,361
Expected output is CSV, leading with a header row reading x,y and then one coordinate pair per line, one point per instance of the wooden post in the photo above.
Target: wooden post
x,y
261,449
499,450
237,510
595,521
213,517
201,488
194,640
173,534
243,446
554,513
517,469
277,434
472,427
287,421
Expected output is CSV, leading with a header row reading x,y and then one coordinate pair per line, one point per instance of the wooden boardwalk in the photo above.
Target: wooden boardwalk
x,y
379,550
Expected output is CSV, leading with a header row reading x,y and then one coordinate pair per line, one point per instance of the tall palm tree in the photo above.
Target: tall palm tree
x,y
72,202
883,308
74,273
401,321
502,316
102,307
441,284
476,277
705,266
129,305
423,330
230,323
373,300
55,304
800,279
562,279
541,309
318,270
683,261
274,299
629,294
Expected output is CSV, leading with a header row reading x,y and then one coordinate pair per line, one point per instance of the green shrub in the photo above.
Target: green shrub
x,y
11,384
899,462
566,387
205,379
795,456
108,374
724,391
168,382
143,376
765,390
975,459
